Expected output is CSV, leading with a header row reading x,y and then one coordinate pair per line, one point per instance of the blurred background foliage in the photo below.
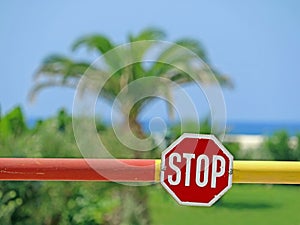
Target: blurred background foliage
x,y
91,203
49,202
85,202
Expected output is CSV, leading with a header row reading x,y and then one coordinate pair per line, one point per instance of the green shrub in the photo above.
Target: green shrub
x,y
35,203
282,147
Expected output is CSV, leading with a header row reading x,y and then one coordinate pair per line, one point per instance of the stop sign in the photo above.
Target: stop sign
x,y
196,170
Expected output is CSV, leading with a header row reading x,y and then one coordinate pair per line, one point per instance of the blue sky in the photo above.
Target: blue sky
x,y
256,42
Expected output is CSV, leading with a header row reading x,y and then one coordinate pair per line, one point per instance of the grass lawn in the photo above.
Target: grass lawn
x,y
242,204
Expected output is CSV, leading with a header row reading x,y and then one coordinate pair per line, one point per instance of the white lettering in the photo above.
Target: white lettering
x,y
200,159
216,173
188,157
175,168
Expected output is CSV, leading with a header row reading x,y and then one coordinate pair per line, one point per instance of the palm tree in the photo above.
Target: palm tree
x,y
59,70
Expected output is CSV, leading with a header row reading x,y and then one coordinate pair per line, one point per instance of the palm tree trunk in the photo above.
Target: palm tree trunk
x,y
134,199
134,209
138,131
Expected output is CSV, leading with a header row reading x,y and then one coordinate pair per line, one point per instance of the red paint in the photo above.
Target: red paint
x,y
123,170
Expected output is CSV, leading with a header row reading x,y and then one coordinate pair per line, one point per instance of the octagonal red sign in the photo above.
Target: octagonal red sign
x,y
196,169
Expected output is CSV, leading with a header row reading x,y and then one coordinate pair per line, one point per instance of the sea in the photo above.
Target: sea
x,y
262,128
253,128
237,127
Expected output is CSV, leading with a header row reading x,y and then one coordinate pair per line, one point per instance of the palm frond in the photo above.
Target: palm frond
x,y
150,33
35,90
223,79
195,46
94,42
58,65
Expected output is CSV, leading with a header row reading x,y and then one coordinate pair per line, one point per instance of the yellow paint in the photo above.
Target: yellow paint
x,y
157,170
264,172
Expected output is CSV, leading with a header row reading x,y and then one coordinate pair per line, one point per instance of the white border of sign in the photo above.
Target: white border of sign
x,y
198,136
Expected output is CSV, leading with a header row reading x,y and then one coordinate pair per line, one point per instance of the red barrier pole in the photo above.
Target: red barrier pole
x,y
122,170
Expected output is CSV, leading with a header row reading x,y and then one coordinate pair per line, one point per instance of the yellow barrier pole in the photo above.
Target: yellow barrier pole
x,y
266,172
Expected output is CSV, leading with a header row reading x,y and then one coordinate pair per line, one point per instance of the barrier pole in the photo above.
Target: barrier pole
x,y
266,172
70,169
134,170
